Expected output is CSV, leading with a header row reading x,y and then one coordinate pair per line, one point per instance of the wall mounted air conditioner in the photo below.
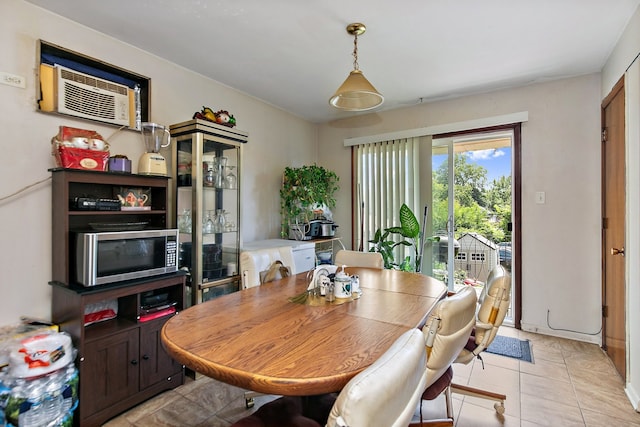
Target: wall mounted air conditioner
x,y
83,95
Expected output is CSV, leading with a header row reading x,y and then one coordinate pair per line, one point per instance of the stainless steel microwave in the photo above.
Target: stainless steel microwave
x,y
108,257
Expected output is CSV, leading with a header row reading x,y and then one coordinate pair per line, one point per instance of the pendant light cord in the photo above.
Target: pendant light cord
x,y
355,51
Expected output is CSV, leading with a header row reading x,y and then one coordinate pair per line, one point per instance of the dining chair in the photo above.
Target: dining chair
x,y
385,394
255,261
494,302
359,259
446,332
252,263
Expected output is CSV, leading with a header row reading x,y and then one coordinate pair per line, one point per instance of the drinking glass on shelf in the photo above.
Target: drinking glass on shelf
x,y
221,164
184,221
208,224
231,179
220,221
229,225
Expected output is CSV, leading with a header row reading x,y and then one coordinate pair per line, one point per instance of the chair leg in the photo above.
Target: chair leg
x,y
447,397
249,396
484,394
440,422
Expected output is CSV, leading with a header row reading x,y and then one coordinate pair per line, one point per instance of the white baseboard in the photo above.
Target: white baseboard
x,y
593,339
633,395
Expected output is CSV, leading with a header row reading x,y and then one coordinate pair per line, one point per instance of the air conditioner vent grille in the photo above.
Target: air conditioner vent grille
x,y
66,74
85,101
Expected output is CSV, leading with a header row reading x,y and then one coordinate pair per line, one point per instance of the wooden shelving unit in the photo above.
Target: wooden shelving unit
x,y
121,361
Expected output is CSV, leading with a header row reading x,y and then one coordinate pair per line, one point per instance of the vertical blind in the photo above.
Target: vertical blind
x,y
387,175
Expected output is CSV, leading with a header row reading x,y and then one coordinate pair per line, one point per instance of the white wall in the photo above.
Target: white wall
x,y
627,48
276,140
560,155
621,59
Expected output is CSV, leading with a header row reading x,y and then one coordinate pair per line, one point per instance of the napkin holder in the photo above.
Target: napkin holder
x,y
322,270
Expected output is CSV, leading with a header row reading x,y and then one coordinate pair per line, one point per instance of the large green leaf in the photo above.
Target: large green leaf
x,y
408,222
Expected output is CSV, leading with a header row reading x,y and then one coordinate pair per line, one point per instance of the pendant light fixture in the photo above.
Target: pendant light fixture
x,y
356,93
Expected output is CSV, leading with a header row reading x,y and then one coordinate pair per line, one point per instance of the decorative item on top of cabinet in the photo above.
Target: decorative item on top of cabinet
x,y
222,117
207,188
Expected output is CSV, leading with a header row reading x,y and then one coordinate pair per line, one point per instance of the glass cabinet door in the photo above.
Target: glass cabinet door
x,y
207,199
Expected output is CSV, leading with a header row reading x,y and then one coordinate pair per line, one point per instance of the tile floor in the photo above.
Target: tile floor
x,y
570,383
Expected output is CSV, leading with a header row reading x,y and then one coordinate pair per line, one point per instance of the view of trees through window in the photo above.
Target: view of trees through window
x,y
481,205
481,208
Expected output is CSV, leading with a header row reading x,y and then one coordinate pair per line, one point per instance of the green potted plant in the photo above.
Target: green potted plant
x,y
304,189
409,229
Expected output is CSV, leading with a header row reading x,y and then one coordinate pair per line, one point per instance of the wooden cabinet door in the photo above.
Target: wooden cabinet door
x,y
109,371
155,363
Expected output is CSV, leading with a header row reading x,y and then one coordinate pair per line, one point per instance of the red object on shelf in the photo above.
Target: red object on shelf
x,y
81,158
71,157
157,314
99,316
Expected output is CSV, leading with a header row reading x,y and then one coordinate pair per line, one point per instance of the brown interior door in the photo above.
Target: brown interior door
x,y
613,229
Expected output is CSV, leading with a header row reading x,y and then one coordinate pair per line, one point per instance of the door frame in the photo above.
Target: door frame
x,y
516,214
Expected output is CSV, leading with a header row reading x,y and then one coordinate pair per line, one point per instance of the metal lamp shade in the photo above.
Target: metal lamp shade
x,y
356,94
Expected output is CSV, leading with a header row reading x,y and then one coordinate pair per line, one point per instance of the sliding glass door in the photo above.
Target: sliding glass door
x,y
471,202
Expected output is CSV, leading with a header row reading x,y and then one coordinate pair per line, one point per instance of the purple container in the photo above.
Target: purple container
x,y
119,164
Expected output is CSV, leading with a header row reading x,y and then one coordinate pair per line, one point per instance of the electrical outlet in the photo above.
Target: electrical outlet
x,y
540,197
12,80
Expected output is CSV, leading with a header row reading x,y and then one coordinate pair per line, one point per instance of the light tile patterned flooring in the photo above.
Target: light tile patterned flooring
x,y
570,383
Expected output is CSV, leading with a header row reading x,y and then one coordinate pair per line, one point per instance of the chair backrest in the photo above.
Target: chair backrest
x,y
359,259
494,301
253,262
386,394
447,331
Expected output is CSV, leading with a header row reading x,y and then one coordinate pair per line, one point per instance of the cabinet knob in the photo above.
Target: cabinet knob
x,y
134,362
146,357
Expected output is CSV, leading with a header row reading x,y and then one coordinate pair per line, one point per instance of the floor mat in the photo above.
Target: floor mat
x,y
511,347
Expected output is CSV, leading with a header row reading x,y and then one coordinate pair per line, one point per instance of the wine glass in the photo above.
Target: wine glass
x,y
208,224
231,179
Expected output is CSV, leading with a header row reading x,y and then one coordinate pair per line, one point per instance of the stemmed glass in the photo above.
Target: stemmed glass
x,y
208,224
231,179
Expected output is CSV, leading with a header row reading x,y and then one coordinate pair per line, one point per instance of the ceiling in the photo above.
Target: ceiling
x,y
294,54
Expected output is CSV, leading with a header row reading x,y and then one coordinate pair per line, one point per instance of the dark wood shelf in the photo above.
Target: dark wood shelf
x,y
121,360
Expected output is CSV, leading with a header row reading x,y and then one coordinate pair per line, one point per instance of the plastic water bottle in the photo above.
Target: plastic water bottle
x,y
52,399
33,416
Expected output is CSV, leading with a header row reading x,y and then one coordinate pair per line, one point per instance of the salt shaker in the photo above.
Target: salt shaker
x,y
329,296
355,287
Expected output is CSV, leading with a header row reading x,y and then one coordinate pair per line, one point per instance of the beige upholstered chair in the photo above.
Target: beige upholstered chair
x,y
359,259
494,304
446,332
386,393
253,262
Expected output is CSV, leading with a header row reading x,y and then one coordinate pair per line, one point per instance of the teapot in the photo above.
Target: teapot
x,y
129,200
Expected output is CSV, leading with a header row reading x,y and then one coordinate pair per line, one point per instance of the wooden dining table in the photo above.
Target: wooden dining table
x,y
259,340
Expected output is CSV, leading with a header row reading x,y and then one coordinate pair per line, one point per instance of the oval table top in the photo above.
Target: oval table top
x,y
258,340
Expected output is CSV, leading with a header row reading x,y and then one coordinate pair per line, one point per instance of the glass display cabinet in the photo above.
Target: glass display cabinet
x,y
207,171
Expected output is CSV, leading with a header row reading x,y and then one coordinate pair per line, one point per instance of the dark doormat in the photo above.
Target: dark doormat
x,y
511,347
